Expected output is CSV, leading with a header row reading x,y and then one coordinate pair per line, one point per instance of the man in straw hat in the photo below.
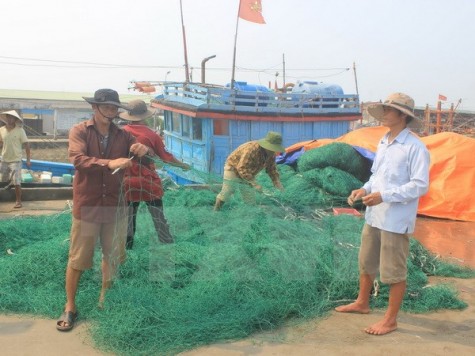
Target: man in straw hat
x,y
245,162
98,149
400,175
141,181
13,139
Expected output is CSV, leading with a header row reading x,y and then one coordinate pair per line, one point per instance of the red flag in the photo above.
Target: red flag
x,y
442,97
251,10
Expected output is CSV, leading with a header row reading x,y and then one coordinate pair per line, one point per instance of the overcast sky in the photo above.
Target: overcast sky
x,y
421,47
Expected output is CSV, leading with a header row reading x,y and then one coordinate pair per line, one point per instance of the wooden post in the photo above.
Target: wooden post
x,y
438,117
450,120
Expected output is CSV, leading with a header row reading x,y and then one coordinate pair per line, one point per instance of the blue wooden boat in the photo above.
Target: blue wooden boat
x,y
56,168
204,123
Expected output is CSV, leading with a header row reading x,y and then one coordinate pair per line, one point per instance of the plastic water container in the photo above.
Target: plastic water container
x,y
45,177
26,178
56,180
67,179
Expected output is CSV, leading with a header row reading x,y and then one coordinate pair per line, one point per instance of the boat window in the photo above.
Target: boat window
x,y
221,127
176,122
186,126
197,129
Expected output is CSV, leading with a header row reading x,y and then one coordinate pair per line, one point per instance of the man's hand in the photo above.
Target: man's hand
x,y
372,199
28,163
279,186
356,195
120,163
139,149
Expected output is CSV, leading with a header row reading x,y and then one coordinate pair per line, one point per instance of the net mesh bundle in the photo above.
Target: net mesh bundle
x,y
229,274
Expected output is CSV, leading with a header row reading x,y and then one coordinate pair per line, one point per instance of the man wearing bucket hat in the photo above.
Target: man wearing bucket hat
x,y
98,149
400,175
245,162
141,181
12,140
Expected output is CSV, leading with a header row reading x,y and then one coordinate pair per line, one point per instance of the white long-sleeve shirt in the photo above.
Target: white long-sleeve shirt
x,y
400,172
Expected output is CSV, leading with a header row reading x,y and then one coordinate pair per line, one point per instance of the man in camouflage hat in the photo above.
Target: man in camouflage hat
x,y
245,162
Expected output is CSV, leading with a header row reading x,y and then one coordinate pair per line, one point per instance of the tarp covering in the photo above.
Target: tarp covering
x,y
452,171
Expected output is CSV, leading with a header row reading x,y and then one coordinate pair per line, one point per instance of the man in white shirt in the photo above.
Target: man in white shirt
x,y
13,139
400,175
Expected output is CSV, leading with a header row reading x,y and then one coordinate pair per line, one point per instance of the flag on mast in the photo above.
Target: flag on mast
x,y
442,97
251,10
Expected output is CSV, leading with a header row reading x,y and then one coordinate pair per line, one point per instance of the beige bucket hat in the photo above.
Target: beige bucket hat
x,y
399,101
137,111
3,115
272,142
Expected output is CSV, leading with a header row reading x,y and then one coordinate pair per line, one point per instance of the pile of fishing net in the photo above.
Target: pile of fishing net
x,y
229,274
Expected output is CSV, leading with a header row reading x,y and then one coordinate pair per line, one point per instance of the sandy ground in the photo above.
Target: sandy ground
x,y
440,333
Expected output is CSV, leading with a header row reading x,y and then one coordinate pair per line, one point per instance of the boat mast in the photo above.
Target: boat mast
x,y
283,69
356,79
187,73
235,42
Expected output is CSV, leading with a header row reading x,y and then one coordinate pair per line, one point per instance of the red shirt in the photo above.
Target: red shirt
x,y
141,181
96,191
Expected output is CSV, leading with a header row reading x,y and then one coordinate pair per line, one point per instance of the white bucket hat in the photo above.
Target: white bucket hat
x,y
400,101
3,115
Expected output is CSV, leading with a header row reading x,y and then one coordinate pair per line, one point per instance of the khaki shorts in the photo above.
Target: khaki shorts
x,y
385,252
84,237
10,172
231,182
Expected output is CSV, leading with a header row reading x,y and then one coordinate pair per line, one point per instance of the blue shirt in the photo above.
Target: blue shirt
x,y
400,172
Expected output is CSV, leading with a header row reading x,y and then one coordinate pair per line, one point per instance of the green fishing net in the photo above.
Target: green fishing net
x,y
229,274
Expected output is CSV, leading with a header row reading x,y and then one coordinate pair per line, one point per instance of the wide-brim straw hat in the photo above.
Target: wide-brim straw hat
x,y
137,110
105,97
3,115
272,142
400,101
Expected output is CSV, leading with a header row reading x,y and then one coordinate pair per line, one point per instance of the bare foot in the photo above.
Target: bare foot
x,y
100,303
352,308
382,327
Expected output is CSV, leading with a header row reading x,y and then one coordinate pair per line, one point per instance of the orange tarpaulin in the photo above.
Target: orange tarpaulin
x,y
451,192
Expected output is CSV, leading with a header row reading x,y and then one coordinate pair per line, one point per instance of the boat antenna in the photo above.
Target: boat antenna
x,y
187,73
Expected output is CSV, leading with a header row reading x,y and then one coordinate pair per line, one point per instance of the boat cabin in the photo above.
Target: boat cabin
x,y
204,123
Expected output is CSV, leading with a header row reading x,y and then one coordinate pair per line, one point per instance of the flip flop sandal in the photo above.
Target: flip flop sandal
x,y
17,206
69,318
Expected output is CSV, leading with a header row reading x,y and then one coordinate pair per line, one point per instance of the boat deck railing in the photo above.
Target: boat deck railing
x,y
226,99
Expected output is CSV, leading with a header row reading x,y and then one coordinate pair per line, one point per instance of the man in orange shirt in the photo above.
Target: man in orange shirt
x,y
142,182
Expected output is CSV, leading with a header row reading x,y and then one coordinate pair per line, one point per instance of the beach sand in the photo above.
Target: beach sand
x,y
439,333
